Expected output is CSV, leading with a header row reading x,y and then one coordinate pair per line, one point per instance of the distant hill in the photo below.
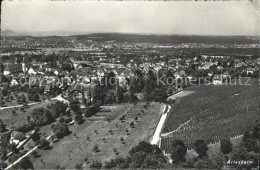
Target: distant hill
x,y
139,38
8,33
171,39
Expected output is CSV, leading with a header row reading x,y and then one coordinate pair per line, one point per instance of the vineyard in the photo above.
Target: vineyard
x,y
212,113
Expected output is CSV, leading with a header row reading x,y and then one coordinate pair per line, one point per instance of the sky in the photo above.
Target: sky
x,y
160,17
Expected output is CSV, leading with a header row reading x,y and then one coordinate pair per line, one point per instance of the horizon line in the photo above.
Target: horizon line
x,y
78,33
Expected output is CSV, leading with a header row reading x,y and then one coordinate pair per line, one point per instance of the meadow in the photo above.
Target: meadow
x,y
113,132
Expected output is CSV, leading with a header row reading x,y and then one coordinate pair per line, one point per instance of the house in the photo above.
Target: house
x,y
179,74
31,71
226,74
16,137
13,69
48,67
14,82
217,80
250,70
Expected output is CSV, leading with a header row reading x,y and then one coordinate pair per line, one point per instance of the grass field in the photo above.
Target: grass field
x,y
104,130
212,113
19,118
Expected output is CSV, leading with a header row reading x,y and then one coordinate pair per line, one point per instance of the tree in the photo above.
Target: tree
x,y
36,136
78,166
201,147
67,67
250,142
203,163
92,110
225,146
114,163
44,144
217,161
79,117
28,118
23,98
13,148
150,82
239,153
179,151
60,129
36,97
96,165
25,163
35,154
58,108
256,131
2,126
96,149
41,116
145,155
74,105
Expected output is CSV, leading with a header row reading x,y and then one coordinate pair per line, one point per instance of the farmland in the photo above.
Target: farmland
x,y
218,112
111,130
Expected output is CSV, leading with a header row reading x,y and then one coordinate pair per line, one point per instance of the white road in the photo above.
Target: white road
x,y
10,107
156,136
29,104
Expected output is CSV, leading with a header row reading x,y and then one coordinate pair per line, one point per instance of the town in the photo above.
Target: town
x,y
100,92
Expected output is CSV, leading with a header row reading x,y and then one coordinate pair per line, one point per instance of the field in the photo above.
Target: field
x,y
15,117
212,113
109,129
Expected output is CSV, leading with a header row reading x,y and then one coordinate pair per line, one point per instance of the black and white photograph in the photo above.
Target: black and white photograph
x,y
125,84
